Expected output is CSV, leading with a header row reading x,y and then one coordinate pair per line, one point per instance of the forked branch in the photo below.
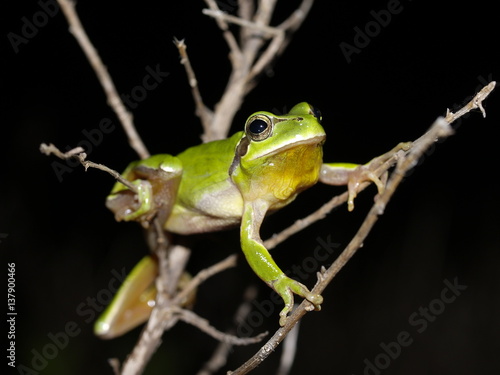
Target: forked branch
x,y
258,46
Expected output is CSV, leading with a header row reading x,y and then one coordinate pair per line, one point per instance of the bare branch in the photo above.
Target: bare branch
x,y
50,149
115,365
204,274
220,15
219,357
476,102
236,54
114,101
203,324
289,351
79,154
202,111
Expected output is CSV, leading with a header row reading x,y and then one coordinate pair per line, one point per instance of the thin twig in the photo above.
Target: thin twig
x,y
327,207
202,111
220,354
236,54
218,14
204,274
476,102
79,154
115,365
114,100
203,325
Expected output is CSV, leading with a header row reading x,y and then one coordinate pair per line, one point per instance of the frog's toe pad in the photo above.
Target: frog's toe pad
x,y
286,287
315,299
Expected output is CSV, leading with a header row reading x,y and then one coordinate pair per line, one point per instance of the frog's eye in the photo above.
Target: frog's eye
x,y
259,127
315,112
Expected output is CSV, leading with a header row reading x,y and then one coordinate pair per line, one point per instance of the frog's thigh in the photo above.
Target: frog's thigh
x,y
133,303
336,173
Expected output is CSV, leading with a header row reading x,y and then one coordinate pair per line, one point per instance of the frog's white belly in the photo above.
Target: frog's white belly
x,y
221,209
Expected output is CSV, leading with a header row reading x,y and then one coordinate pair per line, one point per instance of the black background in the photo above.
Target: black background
x,y
442,224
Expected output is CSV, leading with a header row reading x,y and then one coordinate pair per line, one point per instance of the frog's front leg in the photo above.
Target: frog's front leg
x,y
263,264
353,175
157,180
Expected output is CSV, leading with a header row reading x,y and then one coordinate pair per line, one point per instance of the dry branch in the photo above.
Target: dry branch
x,y
79,154
114,101
219,357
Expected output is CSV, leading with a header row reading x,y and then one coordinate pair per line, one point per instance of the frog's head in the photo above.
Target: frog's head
x,y
279,156
269,134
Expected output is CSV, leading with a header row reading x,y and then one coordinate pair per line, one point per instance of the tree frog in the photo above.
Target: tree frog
x,y
222,184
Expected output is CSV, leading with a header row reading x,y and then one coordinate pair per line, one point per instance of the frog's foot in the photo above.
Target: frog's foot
x,y
363,173
374,171
128,206
156,180
286,287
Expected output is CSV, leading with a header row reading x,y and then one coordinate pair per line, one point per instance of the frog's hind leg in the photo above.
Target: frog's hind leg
x,y
133,303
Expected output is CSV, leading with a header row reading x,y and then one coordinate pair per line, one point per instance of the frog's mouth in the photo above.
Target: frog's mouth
x,y
313,141
304,147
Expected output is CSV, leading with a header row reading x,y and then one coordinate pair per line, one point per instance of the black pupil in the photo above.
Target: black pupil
x,y
258,126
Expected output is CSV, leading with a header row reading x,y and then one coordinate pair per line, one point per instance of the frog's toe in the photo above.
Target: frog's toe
x,y
315,299
286,287
127,205
284,315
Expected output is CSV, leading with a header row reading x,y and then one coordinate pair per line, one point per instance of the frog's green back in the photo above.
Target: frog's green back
x,y
207,199
207,164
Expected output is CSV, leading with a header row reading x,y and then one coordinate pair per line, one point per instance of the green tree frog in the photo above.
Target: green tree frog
x,y
222,184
